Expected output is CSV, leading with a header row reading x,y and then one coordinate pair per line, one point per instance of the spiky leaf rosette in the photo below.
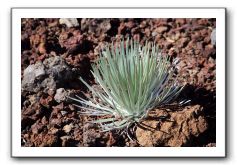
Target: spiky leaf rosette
x,y
133,80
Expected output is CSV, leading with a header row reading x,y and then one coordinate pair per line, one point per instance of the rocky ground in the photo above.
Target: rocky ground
x,y
55,52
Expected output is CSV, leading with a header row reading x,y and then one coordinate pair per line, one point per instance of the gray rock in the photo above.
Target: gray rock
x,y
58,69
53,72
61,95
213,37
97,26
49,85
69,22
32,75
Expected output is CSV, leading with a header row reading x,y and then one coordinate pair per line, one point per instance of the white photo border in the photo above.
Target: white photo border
x,y
116,12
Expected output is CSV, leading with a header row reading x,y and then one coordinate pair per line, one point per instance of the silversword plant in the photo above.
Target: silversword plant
x,y
133,80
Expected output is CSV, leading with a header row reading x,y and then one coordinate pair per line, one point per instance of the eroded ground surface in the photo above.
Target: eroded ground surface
x,y
55,53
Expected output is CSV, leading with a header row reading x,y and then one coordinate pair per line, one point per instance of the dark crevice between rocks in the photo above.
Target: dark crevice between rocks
x,y
55,46
82,48
25,44
114,27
